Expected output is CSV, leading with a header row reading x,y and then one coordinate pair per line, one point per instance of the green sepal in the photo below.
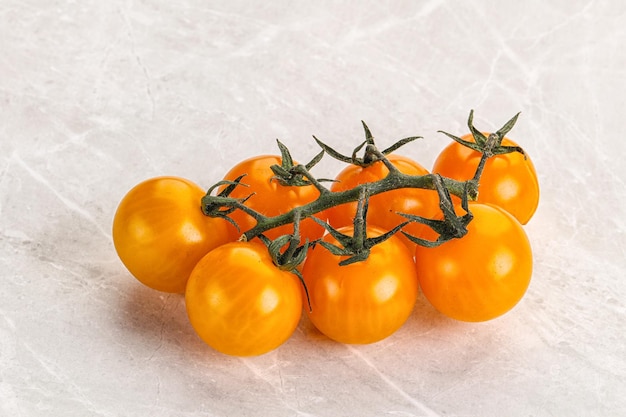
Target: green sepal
x,y
221,205
285,172
344,240
492,144
371,153
451,227
291,258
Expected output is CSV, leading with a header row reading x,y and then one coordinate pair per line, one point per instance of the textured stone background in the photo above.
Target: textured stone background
x,y
96,96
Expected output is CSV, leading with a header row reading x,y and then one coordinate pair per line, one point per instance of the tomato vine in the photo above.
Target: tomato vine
x,y
452,226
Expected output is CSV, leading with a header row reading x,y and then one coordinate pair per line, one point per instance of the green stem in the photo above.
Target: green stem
x,y
327,199
492,141
298,175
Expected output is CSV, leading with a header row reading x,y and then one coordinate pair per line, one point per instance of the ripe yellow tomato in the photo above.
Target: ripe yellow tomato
x,y
270,197
240,303
508,181
160,232
362,302
383,208
481,275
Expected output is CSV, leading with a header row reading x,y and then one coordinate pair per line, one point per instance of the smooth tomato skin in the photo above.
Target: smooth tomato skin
x,y
240,303
270,197
363,302
508,181
160,232
482,275
383,208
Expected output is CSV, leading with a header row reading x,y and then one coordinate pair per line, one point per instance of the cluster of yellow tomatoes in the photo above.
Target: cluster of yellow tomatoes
x,y
240,303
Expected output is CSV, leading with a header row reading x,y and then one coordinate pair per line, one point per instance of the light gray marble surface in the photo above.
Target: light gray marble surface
x,y
96,96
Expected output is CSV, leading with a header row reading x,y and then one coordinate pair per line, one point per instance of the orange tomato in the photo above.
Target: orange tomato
x,y
362,302
481,275
383,208
270,197
240,303
160,232
508,181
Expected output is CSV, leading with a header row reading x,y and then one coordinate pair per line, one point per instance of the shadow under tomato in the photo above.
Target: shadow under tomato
x,y
310,332
155,317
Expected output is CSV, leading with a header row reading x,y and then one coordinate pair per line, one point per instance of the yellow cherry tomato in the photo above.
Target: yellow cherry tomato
x,y
160,232
508,181
240,303
363,302
384,208
482,275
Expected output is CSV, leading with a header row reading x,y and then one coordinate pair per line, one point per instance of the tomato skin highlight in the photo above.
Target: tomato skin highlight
x,y
482,275
508,181
270,197
240,303
363,302
160,232
383,208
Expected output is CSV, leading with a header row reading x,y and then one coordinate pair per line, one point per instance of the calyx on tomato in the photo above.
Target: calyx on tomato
x,y
357,245
487,145
452,226
285,173
371,153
